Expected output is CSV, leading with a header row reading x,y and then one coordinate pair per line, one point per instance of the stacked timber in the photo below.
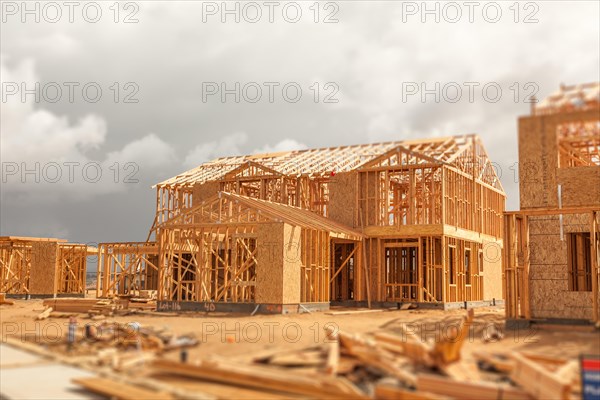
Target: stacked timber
x,y
71,305
117,305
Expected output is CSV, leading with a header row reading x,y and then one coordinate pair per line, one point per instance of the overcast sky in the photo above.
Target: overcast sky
x,y
160,68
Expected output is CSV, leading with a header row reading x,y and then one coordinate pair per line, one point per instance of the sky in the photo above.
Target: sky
x,y
100,102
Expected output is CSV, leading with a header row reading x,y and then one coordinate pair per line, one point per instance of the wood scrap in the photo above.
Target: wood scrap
x,y
333,356
297,359
462,371
443,352
368,352
45,314
447,349
496,362
55,314
409,346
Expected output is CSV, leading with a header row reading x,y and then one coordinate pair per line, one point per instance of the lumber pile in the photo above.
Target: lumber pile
x,y
383,365
75,305
123,305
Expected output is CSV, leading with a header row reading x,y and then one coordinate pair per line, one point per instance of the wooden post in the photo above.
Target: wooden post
x,y
595,266
367,278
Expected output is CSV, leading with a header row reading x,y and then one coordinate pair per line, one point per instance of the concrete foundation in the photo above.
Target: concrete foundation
x,y
243,308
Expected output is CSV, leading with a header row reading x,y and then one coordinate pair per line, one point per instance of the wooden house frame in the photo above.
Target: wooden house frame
x,y
552,257
417,221
42,266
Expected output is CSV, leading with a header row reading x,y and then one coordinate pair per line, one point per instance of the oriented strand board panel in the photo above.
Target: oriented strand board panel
x,y
203,191
550,296
43,273
580,186
269,268
342,198
538,157
291,264
532,162
492,271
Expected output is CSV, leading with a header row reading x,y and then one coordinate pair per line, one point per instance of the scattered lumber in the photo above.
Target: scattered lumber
x,y
369,353
441,353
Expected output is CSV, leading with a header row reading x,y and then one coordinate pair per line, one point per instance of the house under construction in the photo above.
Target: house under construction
x,y
552,244
407,221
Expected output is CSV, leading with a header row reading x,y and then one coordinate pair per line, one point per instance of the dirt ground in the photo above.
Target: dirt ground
x,y
242,336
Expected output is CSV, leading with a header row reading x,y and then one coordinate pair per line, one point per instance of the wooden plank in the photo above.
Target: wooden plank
x,y
389,392
253,376
333,357
352,312
120,390
538,381
474,390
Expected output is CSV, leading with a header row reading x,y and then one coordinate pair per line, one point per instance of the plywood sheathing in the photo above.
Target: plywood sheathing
x,y
342,198
270,260
538,161
279,265
43,274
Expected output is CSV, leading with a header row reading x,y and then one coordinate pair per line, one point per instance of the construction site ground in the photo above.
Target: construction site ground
x,y
243,338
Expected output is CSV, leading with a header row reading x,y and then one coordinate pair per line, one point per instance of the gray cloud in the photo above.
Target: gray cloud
x,y
170,53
